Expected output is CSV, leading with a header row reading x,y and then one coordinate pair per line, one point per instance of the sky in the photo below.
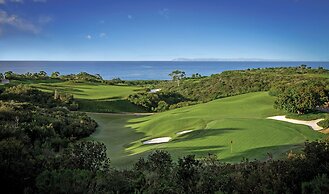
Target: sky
x,y
159,30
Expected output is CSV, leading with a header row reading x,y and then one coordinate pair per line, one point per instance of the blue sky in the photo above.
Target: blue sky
x,y
164,29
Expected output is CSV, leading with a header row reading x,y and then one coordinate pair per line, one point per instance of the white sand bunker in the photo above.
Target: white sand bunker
x,y
157,140
155,90
313,124
184,132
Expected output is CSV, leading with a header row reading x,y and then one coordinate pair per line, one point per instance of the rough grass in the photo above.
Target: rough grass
x,y
239,119
309,116
96,97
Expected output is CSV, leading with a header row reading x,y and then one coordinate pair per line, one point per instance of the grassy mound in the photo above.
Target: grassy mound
x,y
239,119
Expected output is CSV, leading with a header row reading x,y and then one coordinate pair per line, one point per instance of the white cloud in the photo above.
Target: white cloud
x,y
17,22
89,37
103,35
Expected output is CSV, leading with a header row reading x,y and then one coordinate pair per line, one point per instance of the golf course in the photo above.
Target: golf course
x,y
232,128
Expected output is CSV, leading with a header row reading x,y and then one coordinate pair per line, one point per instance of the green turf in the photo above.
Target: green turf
x,y
241,119
96,97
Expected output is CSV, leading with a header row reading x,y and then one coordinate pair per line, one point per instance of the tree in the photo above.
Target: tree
x,y
98,76
196,76
318,185
303,66
55,74
162,106
87,155
65,181
42,74
177,75
8,74
188,173
302,98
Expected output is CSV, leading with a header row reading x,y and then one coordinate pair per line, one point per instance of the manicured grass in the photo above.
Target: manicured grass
x,y
240,119
117,137
96,97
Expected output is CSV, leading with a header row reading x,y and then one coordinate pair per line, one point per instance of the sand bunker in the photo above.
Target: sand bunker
x,y
184,132
313,124
155,90
158,140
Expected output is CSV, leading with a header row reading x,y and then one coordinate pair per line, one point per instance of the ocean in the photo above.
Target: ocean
x,y
144,70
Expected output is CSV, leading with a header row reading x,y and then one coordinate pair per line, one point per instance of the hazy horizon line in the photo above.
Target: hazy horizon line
x,y
174,60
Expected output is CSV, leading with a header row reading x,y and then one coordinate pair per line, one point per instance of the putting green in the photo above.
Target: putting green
x,y
96,97
239,119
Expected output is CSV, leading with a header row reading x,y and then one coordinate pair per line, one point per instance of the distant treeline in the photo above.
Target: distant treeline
x,y
280,81
80,77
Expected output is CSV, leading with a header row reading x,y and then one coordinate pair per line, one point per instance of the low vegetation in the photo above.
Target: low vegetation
x,y
37,129
158,173
229,83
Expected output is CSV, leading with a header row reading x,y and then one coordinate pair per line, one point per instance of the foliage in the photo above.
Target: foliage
x,y
86,156
24,93
35,128
65,181
231,83
303,97
81,77
324,123
307,173
320,185
157,102
177,75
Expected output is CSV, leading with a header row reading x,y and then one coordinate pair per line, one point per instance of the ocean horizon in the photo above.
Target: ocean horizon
x,y
146,70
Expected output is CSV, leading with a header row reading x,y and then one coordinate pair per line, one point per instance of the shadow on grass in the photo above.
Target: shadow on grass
x,y
204,133
114,133
200,151
108,106
263,153
63,89
38,81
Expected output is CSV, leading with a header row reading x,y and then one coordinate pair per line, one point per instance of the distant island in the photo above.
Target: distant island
x,y
228,59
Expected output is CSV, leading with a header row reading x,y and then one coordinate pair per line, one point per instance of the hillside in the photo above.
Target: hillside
x,y
95,97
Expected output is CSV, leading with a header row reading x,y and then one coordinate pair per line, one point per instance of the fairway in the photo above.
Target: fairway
x,y
239,119
96,97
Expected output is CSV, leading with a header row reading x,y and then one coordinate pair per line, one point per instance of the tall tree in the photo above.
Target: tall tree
x,y
177,75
